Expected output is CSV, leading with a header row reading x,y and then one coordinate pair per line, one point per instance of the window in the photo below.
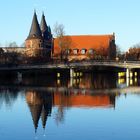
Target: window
x,y
83,51
67,51
91,51
75,51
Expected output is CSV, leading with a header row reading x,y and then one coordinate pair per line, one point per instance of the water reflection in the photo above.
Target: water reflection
x,y
43,95
8,96
94,81
124,81
84,100
40,105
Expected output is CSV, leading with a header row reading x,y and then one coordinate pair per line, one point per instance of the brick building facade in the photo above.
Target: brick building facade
x,y
83,47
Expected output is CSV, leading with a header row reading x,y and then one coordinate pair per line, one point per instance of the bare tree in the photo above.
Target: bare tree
x,y
59,31
11,44
64,42
118,53
134,52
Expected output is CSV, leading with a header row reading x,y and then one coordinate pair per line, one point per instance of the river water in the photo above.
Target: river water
x,y
95,106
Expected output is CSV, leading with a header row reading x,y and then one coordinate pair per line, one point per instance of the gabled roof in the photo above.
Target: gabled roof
x,y
35,31
87,42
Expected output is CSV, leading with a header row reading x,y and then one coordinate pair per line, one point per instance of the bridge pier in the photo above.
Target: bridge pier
x,y
19,76
131,76
72,73
127,73
75,74
130,73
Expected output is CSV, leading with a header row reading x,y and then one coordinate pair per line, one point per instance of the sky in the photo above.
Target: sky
x,y
79,17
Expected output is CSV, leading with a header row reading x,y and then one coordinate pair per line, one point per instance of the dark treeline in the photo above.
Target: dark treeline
x,y
133,53
15,58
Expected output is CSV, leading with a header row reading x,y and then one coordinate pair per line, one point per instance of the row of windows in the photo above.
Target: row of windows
x,y
82,51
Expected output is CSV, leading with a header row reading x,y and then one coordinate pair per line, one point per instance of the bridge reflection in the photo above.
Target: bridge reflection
x,y
94,81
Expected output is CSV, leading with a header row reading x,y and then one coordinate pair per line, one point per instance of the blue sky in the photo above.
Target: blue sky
x,y
78,17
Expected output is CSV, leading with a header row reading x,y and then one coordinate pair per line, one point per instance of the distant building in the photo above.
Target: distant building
x,y
86,47
39,40
20,50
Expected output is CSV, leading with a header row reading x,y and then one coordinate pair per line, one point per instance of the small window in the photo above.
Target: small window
x,y
75,51
83,51
67,51
91,51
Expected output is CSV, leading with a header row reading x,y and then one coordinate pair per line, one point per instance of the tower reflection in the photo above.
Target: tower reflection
x,y
40,105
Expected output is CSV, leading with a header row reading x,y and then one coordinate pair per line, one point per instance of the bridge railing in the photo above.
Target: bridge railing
x,y
94,61
67,63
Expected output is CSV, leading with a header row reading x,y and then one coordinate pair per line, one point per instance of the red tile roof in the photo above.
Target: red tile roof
x,y
86,41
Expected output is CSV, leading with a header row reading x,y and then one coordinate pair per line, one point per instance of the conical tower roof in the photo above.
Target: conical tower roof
x,y
34,102
46,109
35,31
49,29
44,27
36,113
44,116
43,24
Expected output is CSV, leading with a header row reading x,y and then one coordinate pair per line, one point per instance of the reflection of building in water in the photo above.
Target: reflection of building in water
x,y
95,81
69,100
125,80
80,100
40,104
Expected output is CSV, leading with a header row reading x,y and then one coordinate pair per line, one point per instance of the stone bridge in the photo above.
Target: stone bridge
x,y
128,65
74,65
